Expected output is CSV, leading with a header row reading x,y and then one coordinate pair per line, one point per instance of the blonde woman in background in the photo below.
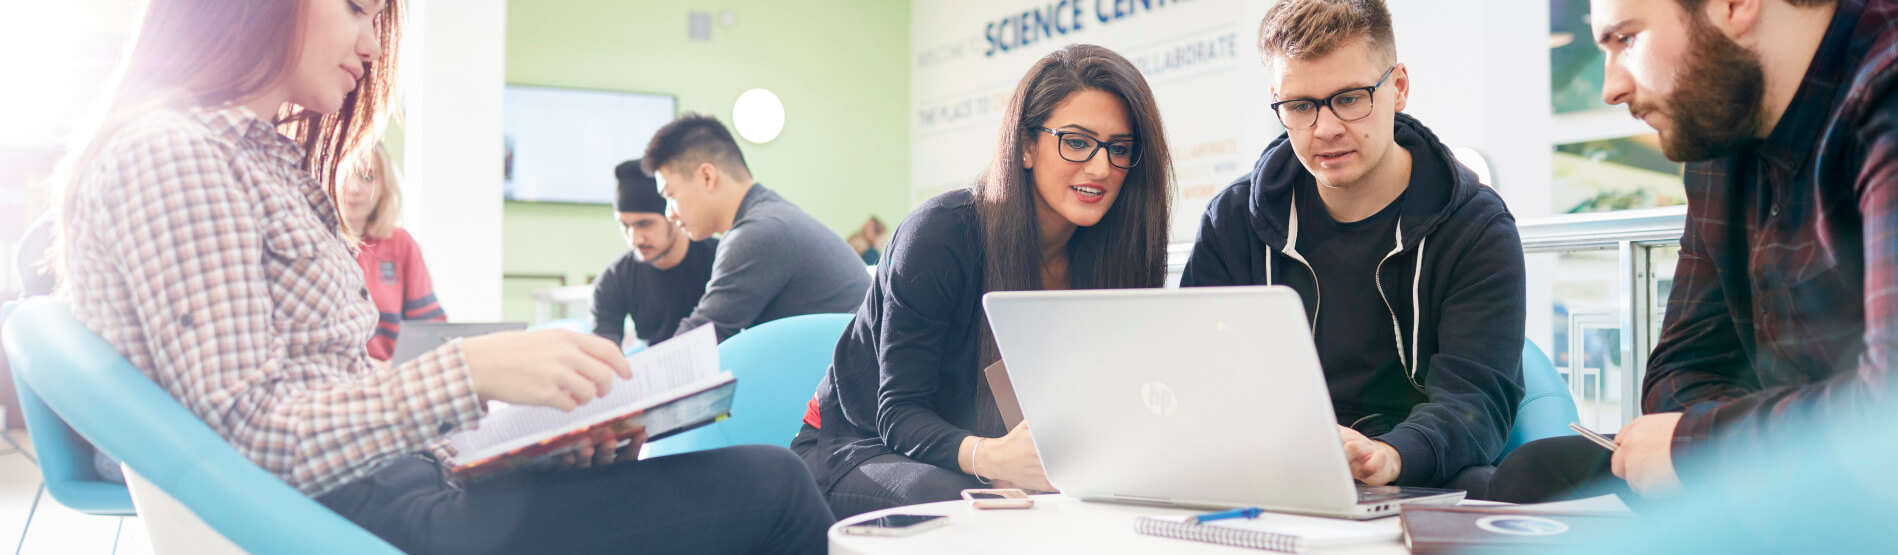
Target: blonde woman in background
x,y
369,198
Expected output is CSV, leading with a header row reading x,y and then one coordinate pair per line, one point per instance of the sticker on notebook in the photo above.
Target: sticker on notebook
x,y
1520,525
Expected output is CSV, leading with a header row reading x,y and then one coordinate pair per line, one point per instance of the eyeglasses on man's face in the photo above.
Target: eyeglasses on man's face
x,y
1348,105
1078,147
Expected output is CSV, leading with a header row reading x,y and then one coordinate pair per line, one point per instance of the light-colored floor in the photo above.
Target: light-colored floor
x,y
55,529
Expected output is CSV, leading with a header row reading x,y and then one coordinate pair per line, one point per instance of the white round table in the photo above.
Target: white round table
x,y
1057,524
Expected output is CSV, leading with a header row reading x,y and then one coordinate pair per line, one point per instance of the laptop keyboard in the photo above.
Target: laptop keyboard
x,y
1376,495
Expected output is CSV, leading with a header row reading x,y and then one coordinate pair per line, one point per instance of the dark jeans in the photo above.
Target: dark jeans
x,y
1474,479
886,481
747,499
1557,468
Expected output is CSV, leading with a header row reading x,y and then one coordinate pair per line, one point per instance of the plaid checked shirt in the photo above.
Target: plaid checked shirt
x,y
1785,303
200,249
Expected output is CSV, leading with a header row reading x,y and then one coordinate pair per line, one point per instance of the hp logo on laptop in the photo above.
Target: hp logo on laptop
x,y
1159,398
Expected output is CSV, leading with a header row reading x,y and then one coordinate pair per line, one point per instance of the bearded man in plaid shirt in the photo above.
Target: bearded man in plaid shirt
x,y
1784,311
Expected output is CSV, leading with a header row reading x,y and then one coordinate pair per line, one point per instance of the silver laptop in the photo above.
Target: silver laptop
x,y
1201,397
419,337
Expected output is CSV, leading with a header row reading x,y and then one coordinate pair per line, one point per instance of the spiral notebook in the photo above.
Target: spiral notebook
x,y
1273,531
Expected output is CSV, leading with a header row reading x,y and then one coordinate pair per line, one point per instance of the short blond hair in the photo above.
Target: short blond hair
x,y
388,209
1311,29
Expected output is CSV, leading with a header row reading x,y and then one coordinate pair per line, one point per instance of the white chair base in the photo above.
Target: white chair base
x,y
173,529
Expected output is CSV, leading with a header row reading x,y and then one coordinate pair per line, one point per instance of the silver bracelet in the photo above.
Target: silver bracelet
x,y
977,450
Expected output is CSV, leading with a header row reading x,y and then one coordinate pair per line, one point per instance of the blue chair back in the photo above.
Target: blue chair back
x,y
778,365
581,325
65,459
125,414
1546,408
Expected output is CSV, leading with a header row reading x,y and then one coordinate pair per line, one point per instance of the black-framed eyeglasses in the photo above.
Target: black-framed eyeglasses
x,y
1348,105
1078,147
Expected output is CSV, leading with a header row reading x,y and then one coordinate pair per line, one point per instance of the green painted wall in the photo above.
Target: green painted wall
x,y
840,67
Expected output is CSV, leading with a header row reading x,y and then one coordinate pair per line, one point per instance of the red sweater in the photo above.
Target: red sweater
x,y
398,282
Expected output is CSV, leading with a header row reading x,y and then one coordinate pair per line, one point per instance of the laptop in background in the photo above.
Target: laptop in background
x,y
419,337
1200,397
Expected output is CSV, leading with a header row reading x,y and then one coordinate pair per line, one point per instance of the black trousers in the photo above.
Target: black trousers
x,y
1475,480
1557,468
885,481
746,499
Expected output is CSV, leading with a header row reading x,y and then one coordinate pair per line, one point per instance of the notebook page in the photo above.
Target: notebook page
x,y
685,359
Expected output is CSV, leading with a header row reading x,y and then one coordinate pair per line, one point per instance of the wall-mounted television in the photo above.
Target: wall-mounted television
x,y
562,144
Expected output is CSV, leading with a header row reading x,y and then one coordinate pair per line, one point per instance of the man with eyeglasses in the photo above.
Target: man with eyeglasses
x,y
660,278
1411,269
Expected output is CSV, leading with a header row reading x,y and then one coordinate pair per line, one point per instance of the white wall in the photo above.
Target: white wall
x,y
1479,73
1197,58
454,75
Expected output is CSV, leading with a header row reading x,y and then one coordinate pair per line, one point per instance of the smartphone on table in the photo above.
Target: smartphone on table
x,y
895,525
1004,498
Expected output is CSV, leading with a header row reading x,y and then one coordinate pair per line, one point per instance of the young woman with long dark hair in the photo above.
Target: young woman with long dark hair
x,y
1075,197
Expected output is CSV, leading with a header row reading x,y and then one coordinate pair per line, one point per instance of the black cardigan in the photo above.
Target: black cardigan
x,y
904,378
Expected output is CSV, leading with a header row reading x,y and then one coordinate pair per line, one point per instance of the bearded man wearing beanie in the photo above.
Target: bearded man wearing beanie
x,y
660,278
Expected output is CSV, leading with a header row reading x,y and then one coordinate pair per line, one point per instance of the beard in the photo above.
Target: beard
x,y
671,242
1715,105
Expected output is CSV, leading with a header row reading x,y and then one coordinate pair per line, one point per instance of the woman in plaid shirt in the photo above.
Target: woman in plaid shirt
x,y
201,242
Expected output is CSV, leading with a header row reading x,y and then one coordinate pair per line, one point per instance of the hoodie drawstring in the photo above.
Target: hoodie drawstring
x,y
1416,309
1397,328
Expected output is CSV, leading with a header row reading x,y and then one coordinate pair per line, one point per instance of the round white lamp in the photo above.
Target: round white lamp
x,y
1475,162
759,116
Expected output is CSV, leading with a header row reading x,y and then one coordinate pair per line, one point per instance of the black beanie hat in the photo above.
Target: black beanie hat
x,y
638,192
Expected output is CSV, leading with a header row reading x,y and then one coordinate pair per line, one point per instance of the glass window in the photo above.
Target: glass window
x,y
1659,283
1575,65
1615,174
1603,159
1585,332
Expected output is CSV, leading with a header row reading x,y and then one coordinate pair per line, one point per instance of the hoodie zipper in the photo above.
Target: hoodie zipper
x,y
1377,278
1291,251
1318,291
1397,329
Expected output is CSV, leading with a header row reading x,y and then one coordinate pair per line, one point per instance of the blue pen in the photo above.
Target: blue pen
x,y
1248,512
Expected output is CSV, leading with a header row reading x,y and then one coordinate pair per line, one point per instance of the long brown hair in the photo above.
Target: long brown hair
x,y
1127,248
190,53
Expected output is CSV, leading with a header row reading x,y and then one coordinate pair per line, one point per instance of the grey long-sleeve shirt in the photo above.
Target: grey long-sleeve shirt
x,y
777,262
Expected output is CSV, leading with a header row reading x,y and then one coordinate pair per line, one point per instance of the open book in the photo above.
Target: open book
x,y
676,386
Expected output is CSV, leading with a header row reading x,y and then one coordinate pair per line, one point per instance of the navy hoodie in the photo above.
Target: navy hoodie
x,y
1453,282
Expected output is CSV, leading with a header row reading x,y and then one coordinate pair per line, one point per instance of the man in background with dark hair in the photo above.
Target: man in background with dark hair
x,y
773,260
663,273
1784,311
1410,268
